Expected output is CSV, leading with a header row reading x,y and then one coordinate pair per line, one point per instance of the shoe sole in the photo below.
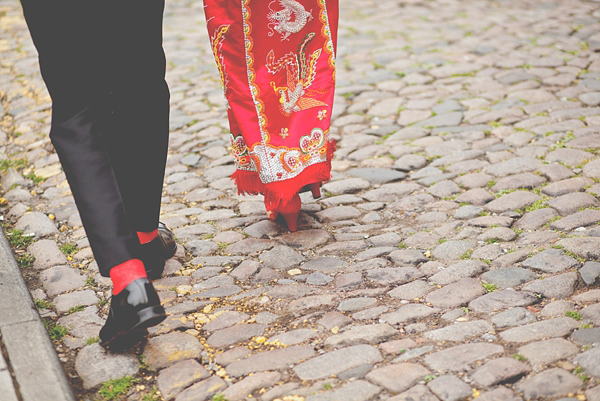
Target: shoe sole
x,y
150,316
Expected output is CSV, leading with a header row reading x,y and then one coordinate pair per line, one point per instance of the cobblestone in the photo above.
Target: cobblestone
x,y
203,391
508,277
547,351
551,383
241,389
560,286
455,272
337,361
557,327
513,317
456,294
173,380
270,360
590,362
550,261
168,349
590,272
94,365
499,394
464,161
234,334
46,254
75,299
459,331
500,370
449,388
59,279
358,390
399,377
459,357
372,334
408,313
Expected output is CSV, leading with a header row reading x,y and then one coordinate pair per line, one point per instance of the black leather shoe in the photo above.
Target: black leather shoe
x,y
157,251
132,311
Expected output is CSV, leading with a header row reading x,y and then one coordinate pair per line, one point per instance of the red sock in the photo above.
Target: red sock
x,y
123,274
146,237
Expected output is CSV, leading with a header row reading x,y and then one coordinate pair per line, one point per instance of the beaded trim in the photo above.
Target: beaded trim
x,y
326,32
217,44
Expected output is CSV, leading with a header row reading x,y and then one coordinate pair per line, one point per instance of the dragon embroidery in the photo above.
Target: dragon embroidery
x,y
282,20
300,73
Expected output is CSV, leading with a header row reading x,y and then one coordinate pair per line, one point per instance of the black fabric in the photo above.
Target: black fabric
x,y
104,66
157,251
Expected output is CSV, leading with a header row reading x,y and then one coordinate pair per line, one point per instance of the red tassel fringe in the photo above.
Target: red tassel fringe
x,y
248,182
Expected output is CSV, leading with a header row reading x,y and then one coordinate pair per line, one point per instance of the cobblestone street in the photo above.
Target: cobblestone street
x,y
454,254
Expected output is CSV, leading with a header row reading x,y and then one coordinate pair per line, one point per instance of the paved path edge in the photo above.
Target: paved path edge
x,y
31,355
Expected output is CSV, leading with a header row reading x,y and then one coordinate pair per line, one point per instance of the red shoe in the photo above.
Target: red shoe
x,y
315,188
289,211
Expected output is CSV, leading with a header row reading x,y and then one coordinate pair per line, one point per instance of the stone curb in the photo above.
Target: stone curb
x,y
38,374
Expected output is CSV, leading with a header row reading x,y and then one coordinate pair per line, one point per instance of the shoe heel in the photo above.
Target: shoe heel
x,y
292,220
315,189
150,316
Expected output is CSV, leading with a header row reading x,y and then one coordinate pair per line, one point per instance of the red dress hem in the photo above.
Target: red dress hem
x,y
249,183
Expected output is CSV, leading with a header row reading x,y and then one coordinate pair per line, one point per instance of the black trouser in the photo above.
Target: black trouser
x,y
104,66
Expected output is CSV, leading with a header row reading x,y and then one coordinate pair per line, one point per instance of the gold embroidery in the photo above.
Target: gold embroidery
x,y
217,44
294,95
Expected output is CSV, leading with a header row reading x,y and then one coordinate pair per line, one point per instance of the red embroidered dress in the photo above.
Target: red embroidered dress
x,y
276,61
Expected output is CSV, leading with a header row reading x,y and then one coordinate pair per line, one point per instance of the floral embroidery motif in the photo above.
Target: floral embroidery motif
x,y
284,133
322,115
312,143
291,160
217,43
282,20
313,146
300,74
240,152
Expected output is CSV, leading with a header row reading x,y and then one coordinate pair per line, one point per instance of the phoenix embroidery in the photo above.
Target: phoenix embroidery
x,y
300,73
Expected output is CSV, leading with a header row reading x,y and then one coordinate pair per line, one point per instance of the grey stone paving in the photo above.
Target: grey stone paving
x,y
455,253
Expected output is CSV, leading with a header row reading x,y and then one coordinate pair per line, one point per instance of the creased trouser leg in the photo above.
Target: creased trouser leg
x,y
88,169
104,69
138,131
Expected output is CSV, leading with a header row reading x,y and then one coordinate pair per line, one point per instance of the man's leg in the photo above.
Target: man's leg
x,y
138,139
63,33
69,37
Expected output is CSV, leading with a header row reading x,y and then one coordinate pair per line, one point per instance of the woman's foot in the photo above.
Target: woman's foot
x,y
289,211
314,188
